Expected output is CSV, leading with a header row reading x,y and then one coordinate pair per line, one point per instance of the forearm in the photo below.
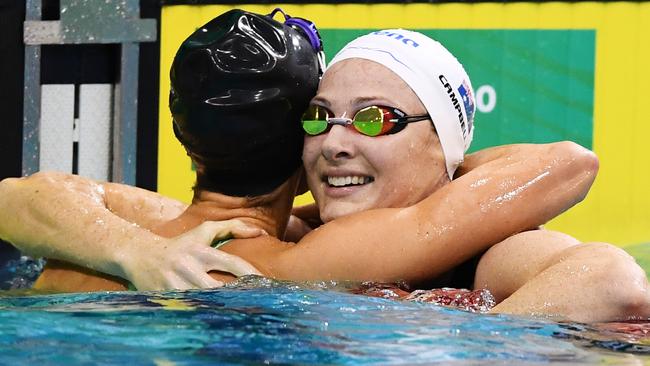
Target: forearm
x,y
513,188
66,218
482,157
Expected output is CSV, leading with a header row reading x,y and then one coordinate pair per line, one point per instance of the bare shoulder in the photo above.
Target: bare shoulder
x,y
264,253
530,249
66,277
509,264
146,208
533,240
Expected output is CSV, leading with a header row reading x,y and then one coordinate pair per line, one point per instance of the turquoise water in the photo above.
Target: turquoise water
x,y
263,322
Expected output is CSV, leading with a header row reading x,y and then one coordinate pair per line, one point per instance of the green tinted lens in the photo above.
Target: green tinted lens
x,y
369,121
314,127
314,120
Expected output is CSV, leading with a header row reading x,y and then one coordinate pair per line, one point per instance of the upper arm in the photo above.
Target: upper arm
x,y
140,206
510,264
136,205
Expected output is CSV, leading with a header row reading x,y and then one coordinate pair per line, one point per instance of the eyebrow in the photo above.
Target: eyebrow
x,y
356,102
320,101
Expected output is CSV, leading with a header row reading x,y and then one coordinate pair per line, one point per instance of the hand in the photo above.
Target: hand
x,y
183,262
296,229
303,219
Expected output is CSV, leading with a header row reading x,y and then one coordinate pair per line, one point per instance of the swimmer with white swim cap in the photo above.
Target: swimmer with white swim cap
x,y
399,164
420,77
435,75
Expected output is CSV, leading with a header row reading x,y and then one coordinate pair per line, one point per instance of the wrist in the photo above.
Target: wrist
x,y
126,261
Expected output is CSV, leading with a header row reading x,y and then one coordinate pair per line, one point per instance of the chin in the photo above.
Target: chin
x,y
336,210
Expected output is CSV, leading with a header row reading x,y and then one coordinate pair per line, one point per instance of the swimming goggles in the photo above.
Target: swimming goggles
x,y
308,29
370,121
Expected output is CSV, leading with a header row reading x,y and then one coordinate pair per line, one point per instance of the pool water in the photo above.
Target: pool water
x,y
258,321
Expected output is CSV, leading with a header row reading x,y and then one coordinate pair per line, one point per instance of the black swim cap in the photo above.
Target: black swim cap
x,y
239,85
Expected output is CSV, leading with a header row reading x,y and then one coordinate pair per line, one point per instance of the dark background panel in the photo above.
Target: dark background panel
x,y
148,82
12,13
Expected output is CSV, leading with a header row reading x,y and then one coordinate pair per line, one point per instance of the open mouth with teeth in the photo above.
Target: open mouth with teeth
x,y
351,180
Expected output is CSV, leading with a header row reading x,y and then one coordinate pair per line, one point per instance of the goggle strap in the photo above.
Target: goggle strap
x,y
306,26
309,30
409,119
278,10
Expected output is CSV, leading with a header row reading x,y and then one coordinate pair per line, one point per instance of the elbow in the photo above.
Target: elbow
x,y
622,283
579,168
630,285
580,158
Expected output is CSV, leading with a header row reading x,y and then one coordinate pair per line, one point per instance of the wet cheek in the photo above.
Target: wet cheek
x,y
310,152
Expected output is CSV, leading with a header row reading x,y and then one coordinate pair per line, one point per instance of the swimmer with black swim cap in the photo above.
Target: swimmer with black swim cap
x,y
239,85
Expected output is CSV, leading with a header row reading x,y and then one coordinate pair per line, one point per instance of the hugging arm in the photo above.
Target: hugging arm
x,y
548,273
100,225
514,188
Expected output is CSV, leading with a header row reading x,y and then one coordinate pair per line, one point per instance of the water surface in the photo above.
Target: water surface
x,y
265,322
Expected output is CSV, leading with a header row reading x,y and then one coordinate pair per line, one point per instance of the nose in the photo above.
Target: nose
x,y
337,145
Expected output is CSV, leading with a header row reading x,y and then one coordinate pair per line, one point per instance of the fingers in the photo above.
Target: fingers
x,y
245,232
235,228
182,279
199,279
175,282
217,260
209,231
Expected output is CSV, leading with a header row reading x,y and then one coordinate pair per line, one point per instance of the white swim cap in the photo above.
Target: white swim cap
x,y
436,77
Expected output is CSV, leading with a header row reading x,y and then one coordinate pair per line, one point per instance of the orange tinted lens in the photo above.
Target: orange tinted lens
x,y
373,121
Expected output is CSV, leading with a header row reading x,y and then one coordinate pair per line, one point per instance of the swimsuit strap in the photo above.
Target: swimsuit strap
x,y
221,242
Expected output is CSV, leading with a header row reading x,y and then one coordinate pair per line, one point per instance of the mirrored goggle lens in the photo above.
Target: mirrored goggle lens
x,y
370,121
314,120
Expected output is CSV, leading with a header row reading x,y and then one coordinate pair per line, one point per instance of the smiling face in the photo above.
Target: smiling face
x,y
348,172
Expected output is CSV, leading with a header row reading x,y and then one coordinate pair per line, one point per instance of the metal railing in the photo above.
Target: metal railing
x,y
49,126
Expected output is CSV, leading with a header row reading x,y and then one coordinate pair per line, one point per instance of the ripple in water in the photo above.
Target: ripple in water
x,y
259,321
